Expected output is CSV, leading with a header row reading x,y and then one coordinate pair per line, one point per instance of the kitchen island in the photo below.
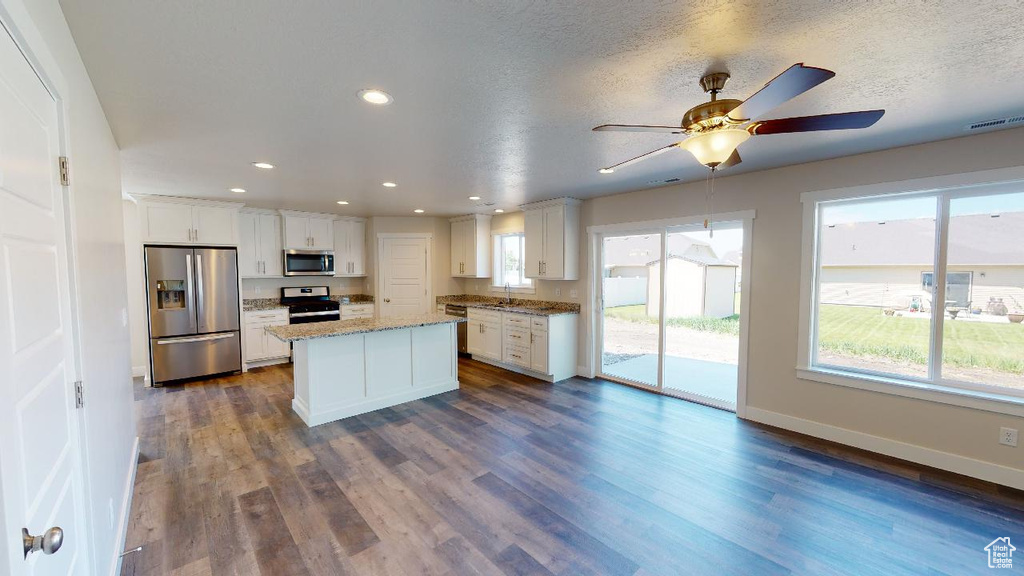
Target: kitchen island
x,y
349,367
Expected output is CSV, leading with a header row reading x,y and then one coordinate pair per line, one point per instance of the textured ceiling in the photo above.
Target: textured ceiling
x,y
497,99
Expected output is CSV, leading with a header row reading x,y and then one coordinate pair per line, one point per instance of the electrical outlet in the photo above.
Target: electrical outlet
x,y
573,293
558,291
1008,436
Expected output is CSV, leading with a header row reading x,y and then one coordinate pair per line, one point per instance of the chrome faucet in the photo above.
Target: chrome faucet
x,y
508,294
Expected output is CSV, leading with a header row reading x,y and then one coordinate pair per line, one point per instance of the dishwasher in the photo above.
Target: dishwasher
x,y
461,327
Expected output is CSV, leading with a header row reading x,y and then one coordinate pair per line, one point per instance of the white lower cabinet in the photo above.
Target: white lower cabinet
x,y
544,346
259,345
352,311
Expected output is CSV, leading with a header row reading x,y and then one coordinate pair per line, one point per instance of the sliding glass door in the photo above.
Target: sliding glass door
x,y
670,310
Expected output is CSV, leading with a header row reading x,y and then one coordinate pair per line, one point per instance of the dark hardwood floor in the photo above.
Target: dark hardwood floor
x,y
510,475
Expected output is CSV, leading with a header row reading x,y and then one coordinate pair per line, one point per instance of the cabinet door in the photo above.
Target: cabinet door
x,y
249,245
276,348
296,233
321,234
475,338
255,342
357,247
458,248
554,242
271,253
534,239
215,225
539,352
341,253
492,341
167,223
469,248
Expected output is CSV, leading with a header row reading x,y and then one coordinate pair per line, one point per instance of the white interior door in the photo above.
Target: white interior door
x,y
40,462
405,277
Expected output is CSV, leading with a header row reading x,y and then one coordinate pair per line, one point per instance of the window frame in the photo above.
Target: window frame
x,y
934,387
497,283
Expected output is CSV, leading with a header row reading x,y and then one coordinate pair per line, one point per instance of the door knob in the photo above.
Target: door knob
x,y
48,543
387,300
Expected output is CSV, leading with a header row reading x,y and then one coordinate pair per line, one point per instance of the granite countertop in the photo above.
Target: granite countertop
x,y
518,306
262,304
311,330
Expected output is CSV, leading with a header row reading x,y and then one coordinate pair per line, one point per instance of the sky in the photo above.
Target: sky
x,y
909,208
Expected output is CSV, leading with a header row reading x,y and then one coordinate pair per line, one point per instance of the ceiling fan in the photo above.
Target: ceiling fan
x,y
717,127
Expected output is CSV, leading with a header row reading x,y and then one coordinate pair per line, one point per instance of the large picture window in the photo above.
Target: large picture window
x,y
923,287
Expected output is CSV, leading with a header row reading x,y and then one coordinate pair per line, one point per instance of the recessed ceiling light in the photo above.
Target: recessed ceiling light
x,y
474,197
238,190
499,211
263,165
343,202
418,211
378,97
389,184
606,170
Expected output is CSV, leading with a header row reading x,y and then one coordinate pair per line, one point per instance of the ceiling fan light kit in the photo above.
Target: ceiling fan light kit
x,y
717,127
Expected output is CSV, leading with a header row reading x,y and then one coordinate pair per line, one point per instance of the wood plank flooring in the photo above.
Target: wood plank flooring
x,y
510,475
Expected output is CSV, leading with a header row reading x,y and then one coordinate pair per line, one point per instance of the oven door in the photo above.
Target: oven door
x,y
321,316
309,263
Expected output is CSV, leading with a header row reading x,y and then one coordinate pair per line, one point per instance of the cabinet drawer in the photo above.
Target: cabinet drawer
x,y
489,316
266,316
517,320
518,355
516,336
539,324
357,310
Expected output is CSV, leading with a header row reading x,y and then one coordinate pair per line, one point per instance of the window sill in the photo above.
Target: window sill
x,y
998,403
515,290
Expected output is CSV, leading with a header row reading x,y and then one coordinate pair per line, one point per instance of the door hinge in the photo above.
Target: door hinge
x,y
79,394
62,163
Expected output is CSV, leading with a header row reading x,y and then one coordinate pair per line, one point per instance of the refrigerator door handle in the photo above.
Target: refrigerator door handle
x,y
199,292
197,339
189,285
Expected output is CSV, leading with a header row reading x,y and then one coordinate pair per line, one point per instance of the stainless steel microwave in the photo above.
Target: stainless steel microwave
x,y
309,263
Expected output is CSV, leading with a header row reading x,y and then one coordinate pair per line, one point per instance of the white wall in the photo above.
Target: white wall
x,y
441,252
102,305
775,287
135,273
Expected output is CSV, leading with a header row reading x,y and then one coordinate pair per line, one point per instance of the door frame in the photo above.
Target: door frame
x,y
378,289
596,338
17,22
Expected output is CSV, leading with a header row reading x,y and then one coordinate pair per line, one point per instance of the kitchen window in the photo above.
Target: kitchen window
x,y
922,290
509,250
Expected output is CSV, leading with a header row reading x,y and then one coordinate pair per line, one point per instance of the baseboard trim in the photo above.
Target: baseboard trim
x,y
584,371
955,463
270,362
126,509
333,413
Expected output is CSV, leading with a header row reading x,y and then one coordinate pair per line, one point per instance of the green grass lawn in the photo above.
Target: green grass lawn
x,y
858,331
636,313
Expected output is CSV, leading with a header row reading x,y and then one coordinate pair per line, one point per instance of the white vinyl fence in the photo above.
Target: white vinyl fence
x,y
624,291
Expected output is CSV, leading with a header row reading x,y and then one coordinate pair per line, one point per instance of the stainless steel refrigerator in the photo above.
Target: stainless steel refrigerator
x,y
193,312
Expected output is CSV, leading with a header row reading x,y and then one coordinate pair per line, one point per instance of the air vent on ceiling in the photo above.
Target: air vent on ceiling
x,y
671,180
996,123
660,182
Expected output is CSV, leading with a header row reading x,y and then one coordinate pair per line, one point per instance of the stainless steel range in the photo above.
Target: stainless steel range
x,y
310,304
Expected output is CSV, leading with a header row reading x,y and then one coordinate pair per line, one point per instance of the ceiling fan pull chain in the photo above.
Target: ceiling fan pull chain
x,y
707,200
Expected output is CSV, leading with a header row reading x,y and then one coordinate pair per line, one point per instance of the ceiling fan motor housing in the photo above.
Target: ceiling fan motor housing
x,y
709,116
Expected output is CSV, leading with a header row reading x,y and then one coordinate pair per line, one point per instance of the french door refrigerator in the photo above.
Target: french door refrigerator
x,y
193,312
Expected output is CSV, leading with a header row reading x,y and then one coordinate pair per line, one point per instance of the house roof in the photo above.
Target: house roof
x,y
641,250
977,239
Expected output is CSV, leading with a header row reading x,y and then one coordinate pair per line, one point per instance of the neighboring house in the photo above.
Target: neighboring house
x,y
889,264
702,284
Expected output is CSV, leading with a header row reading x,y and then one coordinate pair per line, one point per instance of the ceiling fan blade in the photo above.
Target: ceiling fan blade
x,y
638,128
790,84
843,121
732,160
642,157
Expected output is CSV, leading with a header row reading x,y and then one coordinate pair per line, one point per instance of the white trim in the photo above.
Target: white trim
x,y
953,396
267,362
185,200
330,415
955,463
126,508
670,222
584,371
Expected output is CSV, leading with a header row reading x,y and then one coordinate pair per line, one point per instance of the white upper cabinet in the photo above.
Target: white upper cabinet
x,y
259,244
188,221
471,246
551,232
350,247
304,231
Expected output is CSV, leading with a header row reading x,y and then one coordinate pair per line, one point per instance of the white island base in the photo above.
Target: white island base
x,y
350,374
